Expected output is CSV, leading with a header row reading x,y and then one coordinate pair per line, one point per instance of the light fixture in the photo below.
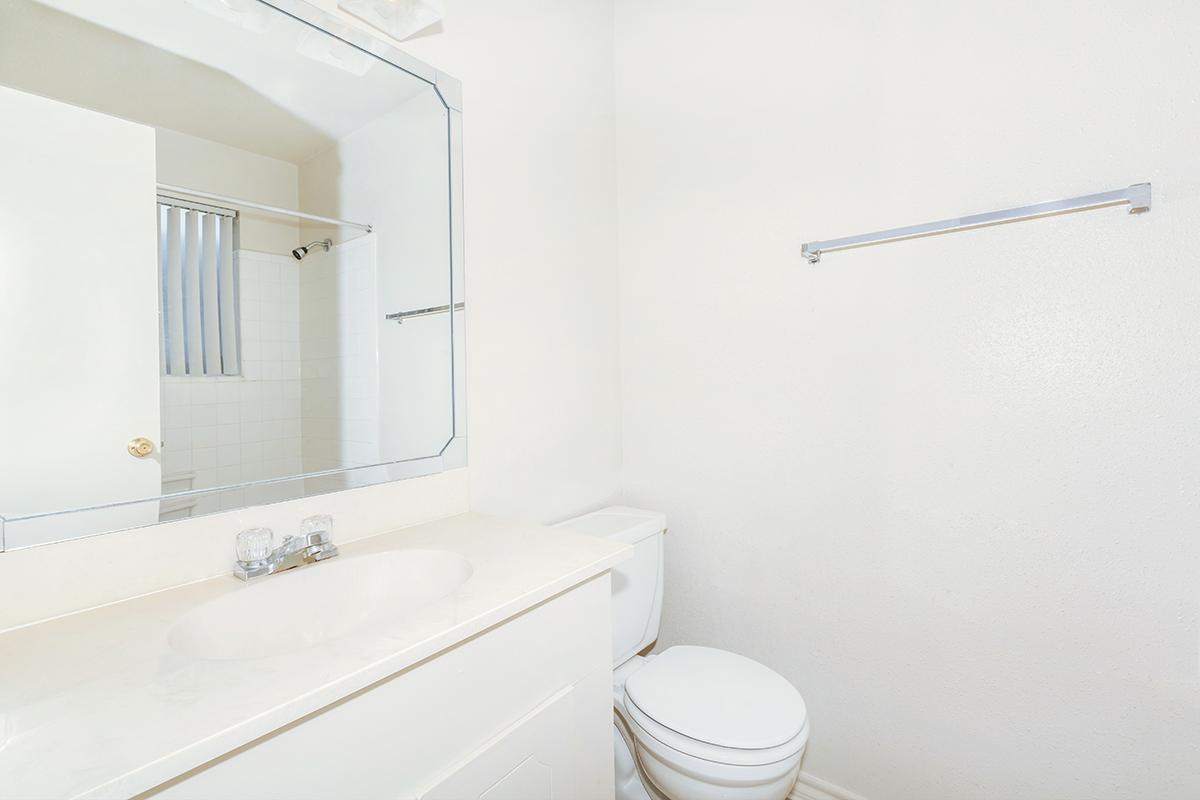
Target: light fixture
x,y
399,19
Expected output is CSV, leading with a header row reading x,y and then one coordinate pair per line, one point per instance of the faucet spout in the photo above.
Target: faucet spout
x,y
314,544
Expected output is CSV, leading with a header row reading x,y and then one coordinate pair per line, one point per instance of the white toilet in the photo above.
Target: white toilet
x,y
691,723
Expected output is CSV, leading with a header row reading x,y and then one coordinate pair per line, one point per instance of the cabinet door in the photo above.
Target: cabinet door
x,y
531,760
527,701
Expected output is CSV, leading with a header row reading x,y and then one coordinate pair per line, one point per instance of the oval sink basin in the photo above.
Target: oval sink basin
x,y
298,609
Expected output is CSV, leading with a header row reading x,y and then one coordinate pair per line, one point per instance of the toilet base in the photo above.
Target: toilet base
x,y
629,777
633,784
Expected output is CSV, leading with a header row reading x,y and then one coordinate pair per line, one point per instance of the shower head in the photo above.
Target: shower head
x,y
300,252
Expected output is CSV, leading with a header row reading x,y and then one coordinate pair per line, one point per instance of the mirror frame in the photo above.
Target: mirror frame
x,y
453,454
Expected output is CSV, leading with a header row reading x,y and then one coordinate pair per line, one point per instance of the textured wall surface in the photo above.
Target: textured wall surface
x,y
948,487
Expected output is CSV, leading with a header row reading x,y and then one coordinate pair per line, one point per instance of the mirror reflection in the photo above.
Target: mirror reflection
x,y
227,269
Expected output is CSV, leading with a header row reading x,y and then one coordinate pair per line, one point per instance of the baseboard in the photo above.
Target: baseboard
x,y
810,787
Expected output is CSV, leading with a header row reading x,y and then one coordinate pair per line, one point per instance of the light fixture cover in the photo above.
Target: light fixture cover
x,y
399,19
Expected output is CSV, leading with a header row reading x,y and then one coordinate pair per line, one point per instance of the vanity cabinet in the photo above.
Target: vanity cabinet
x,y
521,711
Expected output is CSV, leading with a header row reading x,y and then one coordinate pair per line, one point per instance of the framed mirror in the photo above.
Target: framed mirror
x,y
230,262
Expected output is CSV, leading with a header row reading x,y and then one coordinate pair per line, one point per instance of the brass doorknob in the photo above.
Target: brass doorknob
x,y
140,447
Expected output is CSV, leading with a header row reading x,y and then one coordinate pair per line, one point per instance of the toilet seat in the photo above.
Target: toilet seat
x,y
716,706
680,715
645,729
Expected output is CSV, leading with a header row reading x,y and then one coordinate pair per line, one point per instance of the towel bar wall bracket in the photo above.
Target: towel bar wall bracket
x,y
1137,197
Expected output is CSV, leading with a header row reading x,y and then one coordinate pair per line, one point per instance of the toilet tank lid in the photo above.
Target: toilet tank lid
x,y
623,523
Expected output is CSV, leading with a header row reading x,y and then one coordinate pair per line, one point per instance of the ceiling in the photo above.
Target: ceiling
x,y
233,71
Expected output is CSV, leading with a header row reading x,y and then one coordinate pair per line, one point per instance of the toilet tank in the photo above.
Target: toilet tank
x,y
637,583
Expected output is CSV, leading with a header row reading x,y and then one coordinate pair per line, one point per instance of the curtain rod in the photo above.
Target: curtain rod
x,y
236,201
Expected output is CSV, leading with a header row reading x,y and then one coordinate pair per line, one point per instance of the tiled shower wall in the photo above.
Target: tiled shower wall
x,y
339,338
225,430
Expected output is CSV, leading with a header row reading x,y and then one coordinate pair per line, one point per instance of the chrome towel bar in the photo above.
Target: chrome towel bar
x,y
1137,197
400,316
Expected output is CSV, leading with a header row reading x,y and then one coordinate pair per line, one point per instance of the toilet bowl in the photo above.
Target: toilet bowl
x,y
703,724
691,723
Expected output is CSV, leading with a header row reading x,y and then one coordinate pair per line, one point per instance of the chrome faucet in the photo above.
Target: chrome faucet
x,y
256,556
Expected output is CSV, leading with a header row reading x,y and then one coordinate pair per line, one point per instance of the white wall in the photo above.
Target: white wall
x,y
542,374
209,166
948,487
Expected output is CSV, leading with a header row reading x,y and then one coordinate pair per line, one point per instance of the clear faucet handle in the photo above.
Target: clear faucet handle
x,y
317,523
255,544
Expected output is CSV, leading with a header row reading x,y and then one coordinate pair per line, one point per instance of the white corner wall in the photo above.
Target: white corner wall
x,y
948,487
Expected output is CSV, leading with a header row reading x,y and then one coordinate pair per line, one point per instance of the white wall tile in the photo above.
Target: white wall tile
x,y
204,458
229,455
176,393
203,391
204,436
205,414
228,434
228,414
228,429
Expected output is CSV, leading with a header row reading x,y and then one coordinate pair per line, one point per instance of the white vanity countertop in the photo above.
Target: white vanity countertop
x,y
98,704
